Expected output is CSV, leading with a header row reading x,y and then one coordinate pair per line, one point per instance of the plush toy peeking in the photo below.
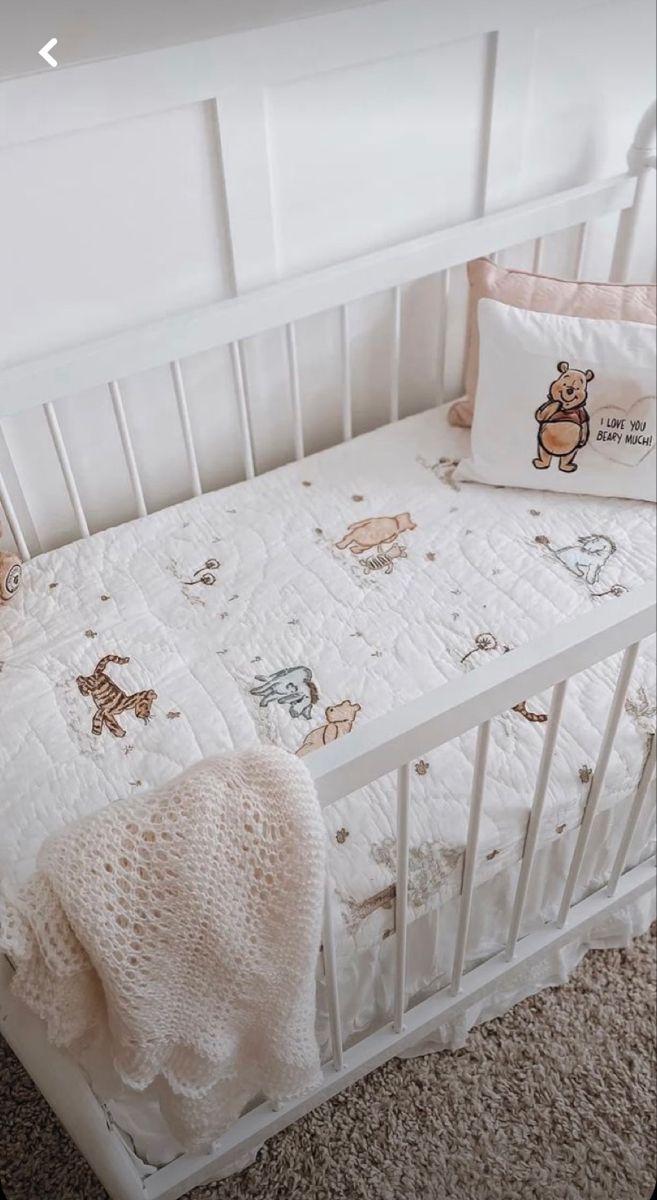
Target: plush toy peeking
x,y
10,576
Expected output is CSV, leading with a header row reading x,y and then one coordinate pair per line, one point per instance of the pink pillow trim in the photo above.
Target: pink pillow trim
x,y
544,293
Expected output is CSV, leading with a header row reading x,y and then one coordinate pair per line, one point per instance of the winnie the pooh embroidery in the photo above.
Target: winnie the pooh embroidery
x,y
339,721
563,422
374,532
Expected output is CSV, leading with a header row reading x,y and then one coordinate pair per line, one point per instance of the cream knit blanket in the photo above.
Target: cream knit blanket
x,y
184,927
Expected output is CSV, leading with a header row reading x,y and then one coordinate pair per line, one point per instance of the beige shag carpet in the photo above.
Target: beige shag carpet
x,y
554,1101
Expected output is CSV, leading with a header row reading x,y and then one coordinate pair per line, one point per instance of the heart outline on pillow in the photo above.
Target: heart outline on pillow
x,y
625,455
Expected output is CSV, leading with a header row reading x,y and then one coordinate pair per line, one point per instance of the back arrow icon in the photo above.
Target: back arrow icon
x,y
45,52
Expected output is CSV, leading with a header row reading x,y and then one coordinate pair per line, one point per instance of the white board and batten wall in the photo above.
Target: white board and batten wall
x,y
162,180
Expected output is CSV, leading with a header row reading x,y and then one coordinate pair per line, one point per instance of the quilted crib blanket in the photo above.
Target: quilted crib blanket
x,y
296,607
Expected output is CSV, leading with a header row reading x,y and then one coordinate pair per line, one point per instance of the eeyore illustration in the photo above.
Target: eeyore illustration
x,y
293,686
587,558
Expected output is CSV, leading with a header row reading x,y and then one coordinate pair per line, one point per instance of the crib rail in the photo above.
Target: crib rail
x,y
384,744
473,701
388,744
231,323
41,383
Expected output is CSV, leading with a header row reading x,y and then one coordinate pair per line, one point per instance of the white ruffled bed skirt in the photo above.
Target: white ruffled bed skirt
x,y
367,977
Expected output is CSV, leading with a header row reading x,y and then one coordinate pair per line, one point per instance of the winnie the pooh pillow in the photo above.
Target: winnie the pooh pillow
x,y
565,404
544,293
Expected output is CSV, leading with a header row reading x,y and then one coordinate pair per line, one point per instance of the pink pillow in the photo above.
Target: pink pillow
x,y
541,293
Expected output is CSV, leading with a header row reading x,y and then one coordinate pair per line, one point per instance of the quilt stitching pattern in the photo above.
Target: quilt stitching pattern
x,y
275,611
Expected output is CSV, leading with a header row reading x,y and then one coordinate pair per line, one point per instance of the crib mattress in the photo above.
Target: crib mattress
x,y
302,604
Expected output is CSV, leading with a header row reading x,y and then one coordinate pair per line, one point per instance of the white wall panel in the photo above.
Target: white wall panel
x,y
375,154
593,78
109,227
594,75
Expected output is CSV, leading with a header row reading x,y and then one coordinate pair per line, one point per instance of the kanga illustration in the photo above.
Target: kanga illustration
x,y
563,422
111,701
293,686
339,721
375,533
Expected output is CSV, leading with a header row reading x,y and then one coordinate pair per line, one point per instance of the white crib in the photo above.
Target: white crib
x,y
390,743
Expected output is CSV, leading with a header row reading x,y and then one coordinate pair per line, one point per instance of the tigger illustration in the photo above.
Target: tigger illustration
x,y
527,714
488,642
110,701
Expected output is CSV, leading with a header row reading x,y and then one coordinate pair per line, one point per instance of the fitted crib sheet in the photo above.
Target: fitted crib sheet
x,y
302,604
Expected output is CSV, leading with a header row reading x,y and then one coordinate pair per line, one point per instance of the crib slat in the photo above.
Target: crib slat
x,y
536,814
243,409
538,255
648,817
401,892
65,464
395,353
295,389
647,776
12,521
472,845
613,719
442,336
627,232
331,975
347,421
582,238
128,448
183,412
